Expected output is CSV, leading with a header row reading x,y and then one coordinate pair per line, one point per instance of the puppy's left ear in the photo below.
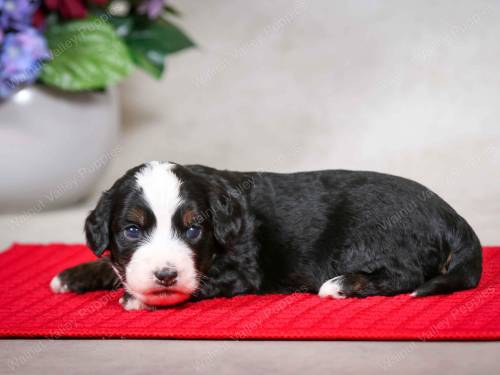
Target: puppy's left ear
x,y
97,225
227,218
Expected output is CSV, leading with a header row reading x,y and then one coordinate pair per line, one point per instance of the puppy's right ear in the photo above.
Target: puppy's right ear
x,y
97,225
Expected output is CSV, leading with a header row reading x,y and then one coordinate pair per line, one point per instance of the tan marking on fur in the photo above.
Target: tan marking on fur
x,y
137,215
188,218
446,265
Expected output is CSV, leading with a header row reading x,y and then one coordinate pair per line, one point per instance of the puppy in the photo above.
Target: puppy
x,y
177,233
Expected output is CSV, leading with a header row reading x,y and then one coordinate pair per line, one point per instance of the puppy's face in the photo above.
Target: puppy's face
x,y
160,222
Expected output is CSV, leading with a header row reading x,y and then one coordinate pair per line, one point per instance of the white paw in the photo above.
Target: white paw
x,y
332,288
57,286
132,303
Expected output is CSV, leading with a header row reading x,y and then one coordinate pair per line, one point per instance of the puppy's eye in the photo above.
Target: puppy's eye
x,y
132,232
193,232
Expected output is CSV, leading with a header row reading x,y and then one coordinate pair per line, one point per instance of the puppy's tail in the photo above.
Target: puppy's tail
x,y
462,269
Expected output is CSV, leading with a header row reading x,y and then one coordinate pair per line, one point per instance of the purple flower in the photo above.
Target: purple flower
x,y
21,57
152,8
17,14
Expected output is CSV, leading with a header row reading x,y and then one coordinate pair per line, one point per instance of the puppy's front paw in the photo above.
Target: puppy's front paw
x,y
67,281
131,303
58,286
86,277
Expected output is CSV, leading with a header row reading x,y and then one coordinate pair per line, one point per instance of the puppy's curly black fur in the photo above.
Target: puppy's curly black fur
x,y
282,233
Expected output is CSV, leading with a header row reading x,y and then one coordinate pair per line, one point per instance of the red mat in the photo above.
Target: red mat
x,y
29,309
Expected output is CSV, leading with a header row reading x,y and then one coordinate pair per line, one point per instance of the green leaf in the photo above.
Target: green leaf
x,y
150,42
123,25
150,61
87,54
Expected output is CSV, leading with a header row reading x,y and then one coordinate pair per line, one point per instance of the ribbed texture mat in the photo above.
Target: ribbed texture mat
x,y
29,309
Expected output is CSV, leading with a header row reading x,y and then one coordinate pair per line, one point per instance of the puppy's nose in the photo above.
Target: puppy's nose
x,y
166,276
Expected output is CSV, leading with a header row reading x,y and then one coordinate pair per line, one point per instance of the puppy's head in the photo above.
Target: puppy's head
x,y
163,225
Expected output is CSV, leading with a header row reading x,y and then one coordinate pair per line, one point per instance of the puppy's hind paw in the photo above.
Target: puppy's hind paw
x,y
332,288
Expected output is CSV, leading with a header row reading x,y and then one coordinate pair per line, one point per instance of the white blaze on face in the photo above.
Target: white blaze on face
x,y
162,248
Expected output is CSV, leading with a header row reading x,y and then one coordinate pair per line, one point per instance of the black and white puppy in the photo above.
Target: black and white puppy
x,y
178,233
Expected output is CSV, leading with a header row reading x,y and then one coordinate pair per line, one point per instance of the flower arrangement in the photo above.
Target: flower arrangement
x,y
79,45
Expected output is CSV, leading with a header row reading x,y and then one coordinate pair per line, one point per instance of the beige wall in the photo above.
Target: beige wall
x,y
409,88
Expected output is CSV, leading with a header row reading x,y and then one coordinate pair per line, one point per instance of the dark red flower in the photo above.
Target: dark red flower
x,y
71,8
38,19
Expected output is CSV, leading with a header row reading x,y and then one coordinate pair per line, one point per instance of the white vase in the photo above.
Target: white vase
x,y
54,146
